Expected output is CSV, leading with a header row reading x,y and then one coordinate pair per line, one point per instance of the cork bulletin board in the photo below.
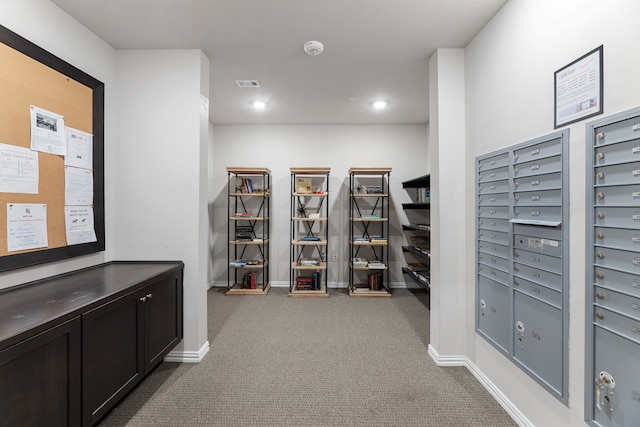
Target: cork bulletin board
x,y
31,76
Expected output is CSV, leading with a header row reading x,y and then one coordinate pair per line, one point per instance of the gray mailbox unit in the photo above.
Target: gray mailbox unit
x,y
612,382
522,269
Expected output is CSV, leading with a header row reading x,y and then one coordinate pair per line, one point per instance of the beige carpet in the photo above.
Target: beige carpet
x,y
341,361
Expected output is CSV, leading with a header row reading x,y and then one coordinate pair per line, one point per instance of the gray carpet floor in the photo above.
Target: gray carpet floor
x,y
341,361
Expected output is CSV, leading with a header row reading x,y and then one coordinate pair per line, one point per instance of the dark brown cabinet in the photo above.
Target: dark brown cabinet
x,y
72,346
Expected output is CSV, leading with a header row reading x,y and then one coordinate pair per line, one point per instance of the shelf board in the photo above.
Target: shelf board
x,y
369,195
320,266
416,205
237,290
372,243
420,182
323,194
247,218
426,283
424,253
250,242
370,293
361,219
254,194
320,293
241,170
308,242
250,267
310,170
369,171
417,227
305,218
369,269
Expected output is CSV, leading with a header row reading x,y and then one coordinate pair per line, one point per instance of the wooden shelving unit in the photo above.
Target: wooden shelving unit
x,y
369,232
309,232
249,191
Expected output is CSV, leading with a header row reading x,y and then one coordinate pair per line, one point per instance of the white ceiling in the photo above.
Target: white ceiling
x,y
374,49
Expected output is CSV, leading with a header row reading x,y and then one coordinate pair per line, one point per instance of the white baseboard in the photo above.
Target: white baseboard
x,y
188,356
494,391
334,285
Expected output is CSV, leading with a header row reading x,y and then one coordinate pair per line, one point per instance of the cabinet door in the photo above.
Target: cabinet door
x,y
163,319
112,358
40,379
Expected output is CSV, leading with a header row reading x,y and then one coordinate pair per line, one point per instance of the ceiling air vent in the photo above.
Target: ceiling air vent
x,y
247,83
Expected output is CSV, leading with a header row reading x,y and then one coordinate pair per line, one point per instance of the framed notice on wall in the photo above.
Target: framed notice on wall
x,y
579,89
51,157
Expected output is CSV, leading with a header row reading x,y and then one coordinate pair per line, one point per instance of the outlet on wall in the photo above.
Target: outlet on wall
x,y
334,257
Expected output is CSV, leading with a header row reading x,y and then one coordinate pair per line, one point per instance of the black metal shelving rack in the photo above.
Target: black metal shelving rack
x,y
249,191
369,232
309,232
419,226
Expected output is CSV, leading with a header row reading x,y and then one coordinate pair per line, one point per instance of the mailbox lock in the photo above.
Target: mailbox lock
x,y
516,170
516,253
600,235
600,315
600,195
600,295
600,135
600,255
600,156
600,175
600,275
600,215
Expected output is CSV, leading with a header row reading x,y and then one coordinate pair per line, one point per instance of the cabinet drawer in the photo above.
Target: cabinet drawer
x,y
538,244
538,339
611,154
494,237
497,199
538,213
618,238
538,151
492,248
623,130
493,312
494,224
540,182
493,162
623,195
538,198
537,291
490,260
618,217
538,167
626,326
622,174
617,280
494,187
532,259
621,303
494,274
620,260
493,174
538,276
500,212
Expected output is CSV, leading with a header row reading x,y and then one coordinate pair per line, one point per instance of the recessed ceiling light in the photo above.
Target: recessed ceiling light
x,y
379,105
259,105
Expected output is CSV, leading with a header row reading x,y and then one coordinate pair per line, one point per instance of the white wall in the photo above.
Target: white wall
x,y
402,147
509,80
160,175
44,24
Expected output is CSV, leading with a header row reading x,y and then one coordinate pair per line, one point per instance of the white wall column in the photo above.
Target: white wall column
x,y
449,201
161,173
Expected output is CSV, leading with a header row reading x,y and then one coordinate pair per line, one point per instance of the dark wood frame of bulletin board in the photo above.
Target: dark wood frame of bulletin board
x,y
33,76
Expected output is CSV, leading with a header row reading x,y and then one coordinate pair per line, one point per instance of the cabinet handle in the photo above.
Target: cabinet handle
x,y
600,295
600,316
149,295
143,299
600,156
600,195
600,255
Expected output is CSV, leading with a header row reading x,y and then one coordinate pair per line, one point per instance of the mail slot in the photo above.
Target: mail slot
x,y
620,174
497,199
620,260
620,195
549,181
538,151
493,162
538,167
622,152
620,324
494,274
493,224
538,198
493,187
540,245
538,213
617,280
618,132
542,277
494,248
499,212
617,217
537,260
538,291
621,303
493,175
617,238
492,261
493,312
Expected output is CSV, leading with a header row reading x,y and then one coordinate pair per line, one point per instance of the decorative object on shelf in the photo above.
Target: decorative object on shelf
x,y
249,191
369,231
309,232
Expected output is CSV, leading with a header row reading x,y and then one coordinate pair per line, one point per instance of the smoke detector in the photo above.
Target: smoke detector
x,y
313,48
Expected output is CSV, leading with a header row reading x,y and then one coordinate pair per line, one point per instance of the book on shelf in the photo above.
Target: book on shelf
x,y
361,287
308,282
374,280
239,262
303,185
378,238
360,239
244,185
359,262
310,239
308,262
377,265
242,214
244,233
371,216
248,280
373,189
